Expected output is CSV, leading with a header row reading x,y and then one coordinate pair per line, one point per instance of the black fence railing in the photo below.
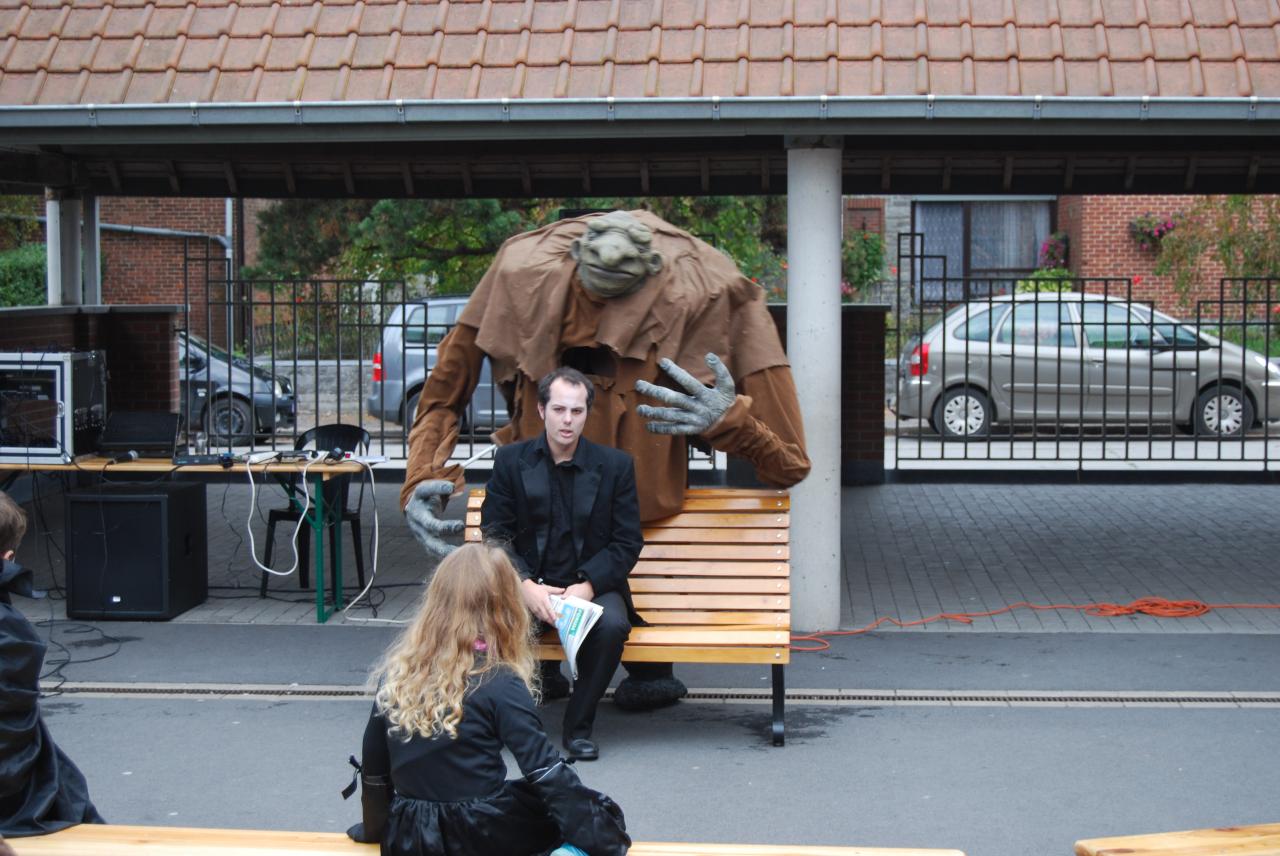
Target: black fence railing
x,y
261,362
1081,370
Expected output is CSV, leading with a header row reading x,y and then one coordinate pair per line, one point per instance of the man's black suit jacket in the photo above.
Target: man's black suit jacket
x,y
606,514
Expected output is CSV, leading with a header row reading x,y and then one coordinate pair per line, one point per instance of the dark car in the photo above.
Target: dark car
x,y
232,400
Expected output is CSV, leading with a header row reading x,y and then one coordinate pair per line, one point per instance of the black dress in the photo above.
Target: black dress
x,y
41,791
451,797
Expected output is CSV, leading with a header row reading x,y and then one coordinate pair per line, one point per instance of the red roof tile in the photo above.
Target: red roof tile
x,y
105,51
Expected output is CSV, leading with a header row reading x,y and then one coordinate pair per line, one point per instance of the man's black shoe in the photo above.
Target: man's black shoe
x,y
554,684
582,749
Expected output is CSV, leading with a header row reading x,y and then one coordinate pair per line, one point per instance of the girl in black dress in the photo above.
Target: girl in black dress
x,y
452,691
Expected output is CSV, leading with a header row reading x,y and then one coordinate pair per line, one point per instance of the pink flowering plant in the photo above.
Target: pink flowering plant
x,y
1053,251
1149,229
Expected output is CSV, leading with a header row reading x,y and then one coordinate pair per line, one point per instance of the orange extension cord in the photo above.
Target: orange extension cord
x,y
1157,606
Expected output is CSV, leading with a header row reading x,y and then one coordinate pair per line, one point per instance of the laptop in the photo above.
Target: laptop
x,y
152,434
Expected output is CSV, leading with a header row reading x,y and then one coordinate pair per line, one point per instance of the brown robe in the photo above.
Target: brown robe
x,y
529,314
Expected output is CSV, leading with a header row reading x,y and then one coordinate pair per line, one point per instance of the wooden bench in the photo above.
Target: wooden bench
x,y
1261,840
713,582
99,840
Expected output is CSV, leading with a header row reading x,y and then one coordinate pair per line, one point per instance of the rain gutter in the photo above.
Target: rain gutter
x,y
632,117
137,230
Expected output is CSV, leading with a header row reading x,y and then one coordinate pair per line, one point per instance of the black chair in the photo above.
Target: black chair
x,y
348,438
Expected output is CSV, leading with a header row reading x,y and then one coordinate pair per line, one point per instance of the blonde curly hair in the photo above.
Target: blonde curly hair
x,y
474,597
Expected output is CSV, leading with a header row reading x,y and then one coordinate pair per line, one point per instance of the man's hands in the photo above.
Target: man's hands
x,y
423,516
687,414
538,598
584,590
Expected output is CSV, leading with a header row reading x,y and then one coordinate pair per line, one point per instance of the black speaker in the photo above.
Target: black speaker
x,y
136,551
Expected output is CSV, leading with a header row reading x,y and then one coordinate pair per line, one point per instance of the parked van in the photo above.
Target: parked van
x,y
408,352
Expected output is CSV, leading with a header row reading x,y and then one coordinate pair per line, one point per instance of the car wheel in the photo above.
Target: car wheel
x,y
963,412
229,421
1223,411
410,411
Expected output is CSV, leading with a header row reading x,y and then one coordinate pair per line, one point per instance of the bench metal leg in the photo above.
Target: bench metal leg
x,y
779,705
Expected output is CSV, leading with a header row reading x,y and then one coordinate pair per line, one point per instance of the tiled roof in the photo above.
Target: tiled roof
x,y
136,52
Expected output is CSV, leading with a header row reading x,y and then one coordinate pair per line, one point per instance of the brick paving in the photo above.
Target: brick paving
x,y
910,551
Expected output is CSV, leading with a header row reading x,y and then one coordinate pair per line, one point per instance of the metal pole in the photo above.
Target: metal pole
x,y
91,248
813,346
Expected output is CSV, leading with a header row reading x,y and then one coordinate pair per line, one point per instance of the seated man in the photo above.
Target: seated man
x,y
40,789
567,509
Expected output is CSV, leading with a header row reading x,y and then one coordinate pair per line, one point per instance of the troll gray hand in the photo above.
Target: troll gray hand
x,y
422,513
687,414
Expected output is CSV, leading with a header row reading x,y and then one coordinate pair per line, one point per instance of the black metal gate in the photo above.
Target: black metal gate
x,y
1084,373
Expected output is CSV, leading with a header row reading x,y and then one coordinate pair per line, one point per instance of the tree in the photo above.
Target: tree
x,y
1242,233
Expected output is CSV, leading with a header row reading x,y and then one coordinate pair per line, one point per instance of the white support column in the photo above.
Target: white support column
x,y
62,249
91,248
813,347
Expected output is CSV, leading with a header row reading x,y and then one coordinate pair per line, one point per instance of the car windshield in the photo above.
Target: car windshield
x,y
198,344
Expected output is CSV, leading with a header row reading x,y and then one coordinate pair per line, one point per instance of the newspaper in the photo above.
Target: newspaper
x,y
574,619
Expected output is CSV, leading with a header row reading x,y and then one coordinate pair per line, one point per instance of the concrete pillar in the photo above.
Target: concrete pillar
x,y
813,346
62,249
91,249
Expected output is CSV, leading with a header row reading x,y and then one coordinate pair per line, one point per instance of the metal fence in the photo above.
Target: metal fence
x,y
261,362
1083,372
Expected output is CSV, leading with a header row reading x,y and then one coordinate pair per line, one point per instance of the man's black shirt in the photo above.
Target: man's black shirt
x,y
560,559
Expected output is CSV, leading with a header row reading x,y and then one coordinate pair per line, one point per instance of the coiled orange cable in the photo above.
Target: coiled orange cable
x,y
1157,606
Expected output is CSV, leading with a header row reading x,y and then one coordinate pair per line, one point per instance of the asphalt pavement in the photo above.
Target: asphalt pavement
x,y
998,744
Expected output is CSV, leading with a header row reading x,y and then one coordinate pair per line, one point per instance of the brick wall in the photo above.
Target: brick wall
x,y
140,268
142,358
864,214
1101,246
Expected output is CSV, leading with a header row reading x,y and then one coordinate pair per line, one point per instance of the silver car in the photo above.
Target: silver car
x,y
1067,358
407,352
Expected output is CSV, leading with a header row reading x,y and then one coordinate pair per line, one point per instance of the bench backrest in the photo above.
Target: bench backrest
x,y
714,581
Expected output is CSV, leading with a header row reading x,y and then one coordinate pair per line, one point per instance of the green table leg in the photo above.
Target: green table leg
x,y
317,526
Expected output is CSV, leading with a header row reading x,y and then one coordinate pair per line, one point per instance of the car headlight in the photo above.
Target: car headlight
x,y
1266,365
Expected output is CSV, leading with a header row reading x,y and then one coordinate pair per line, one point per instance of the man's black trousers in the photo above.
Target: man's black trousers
x,y
598,659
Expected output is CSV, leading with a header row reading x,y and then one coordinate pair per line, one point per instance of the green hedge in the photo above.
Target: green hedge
x,y
22,276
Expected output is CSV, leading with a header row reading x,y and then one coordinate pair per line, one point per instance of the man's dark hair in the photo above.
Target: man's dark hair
x,y
13,523
568,375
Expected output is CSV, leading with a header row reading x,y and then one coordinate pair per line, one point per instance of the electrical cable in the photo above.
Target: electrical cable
x,y
373,571
1155,606
257,458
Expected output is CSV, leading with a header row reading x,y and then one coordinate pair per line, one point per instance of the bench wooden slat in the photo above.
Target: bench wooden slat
x,y
734,502
701,495
663,568
1259,840
715,552
103,840
725,520
707,520
709,636
684,654
663,617
100,840
710,585
716,536
712,601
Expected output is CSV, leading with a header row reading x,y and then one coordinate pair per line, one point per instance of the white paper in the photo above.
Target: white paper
x,y
574,619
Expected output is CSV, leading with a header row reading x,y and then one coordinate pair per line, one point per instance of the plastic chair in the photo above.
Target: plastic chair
x,y
348,438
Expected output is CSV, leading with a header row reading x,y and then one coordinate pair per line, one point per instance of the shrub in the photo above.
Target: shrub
x,y
22,276
1046,279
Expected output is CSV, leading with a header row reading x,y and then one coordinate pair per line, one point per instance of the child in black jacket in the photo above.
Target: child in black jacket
x,y
41,791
